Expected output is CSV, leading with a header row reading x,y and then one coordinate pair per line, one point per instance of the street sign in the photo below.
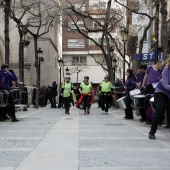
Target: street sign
x,y
148,56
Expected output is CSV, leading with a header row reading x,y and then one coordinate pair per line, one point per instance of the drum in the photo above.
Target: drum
x,y
139,101
3,99
122,102
152,103
134,92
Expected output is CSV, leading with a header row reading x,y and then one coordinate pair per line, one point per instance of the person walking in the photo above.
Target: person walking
x,y
129,85
9,77
67,87
161,100
86,95
53,94
105,91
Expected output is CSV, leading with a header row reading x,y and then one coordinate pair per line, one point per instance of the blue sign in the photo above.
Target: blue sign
x,y
148,56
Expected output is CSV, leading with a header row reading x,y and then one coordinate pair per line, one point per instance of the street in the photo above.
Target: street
x,y
48,139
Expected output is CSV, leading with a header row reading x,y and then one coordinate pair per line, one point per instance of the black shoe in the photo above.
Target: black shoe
x,y
125,117
142,120
152,135
130,118
148,123
14,120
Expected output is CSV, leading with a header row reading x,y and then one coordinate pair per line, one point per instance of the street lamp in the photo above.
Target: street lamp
x,y
124,40
60,61
67,71
23,43
114,62
40,58
78,71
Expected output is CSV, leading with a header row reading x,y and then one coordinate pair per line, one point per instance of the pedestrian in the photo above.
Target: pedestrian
x,y
130,84
161,100
67,87
105,90
86,95
8,78
53,94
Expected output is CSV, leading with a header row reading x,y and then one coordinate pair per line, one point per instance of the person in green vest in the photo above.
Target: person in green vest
x,y
86,94
105,90
67,87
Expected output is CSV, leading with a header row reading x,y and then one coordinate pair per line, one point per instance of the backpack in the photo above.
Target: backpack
x,y
2,81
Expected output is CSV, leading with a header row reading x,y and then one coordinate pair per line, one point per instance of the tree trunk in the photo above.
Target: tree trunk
x,y
37,72
164,29
6,31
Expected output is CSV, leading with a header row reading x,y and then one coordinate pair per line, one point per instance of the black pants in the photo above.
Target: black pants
x,y
162,103
105,102
128,110
86,101
67,101
61,102
53,101
11,108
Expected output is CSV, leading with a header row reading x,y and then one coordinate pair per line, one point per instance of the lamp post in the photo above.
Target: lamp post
x,y
40,58
60,61
23,43
67,71
114,62
124,40
78,71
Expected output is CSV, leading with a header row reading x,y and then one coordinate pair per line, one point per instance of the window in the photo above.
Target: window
x,y
72,26
79,60
76,43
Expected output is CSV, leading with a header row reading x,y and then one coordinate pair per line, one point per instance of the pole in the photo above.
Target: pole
x,y
22,63
114,75
39,72
77,77
124,43
60,77
157,31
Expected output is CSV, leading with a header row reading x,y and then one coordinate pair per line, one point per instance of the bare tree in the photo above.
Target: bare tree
x,y
107,20
39,16
142,16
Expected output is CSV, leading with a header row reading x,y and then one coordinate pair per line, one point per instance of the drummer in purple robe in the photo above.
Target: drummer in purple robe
x,y
130,84
161,100
152,76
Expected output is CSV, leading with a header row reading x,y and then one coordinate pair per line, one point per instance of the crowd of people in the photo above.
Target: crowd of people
x,y
152,80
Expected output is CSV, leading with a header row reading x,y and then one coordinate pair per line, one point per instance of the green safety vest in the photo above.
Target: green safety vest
x,y
106,86
86,88
67,89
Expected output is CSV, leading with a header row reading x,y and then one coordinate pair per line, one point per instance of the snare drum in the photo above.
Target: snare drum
x,y
139,101
3,99
122,102
134,92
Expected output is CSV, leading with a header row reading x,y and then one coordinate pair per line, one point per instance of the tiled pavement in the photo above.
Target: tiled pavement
x,y
47,139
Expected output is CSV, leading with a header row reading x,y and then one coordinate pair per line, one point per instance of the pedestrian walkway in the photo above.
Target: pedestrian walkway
x,y
48,139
